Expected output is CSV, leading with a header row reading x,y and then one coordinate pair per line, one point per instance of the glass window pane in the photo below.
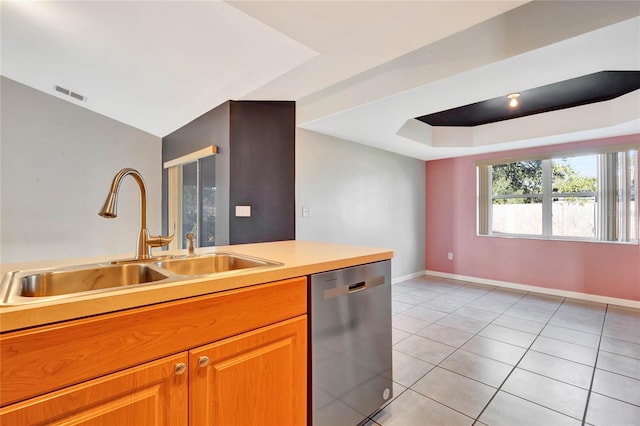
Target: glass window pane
x,y
208,200
574,217
189,200
517,216
523,177
593,197
575,174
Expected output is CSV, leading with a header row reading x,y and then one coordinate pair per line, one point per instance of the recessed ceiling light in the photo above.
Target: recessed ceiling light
x,y
575,92
513,102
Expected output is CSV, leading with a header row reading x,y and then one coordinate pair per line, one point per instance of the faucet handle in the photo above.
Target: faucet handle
x,y
159,241
190,237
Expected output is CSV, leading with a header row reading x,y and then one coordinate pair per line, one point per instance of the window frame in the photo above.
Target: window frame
x,y
485,197
175,194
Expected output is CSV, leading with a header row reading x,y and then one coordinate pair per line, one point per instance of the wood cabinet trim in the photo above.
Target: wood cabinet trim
x,y
277,354
152,385
43,359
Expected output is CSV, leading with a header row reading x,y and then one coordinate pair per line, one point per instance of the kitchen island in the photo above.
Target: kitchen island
x,y
185,352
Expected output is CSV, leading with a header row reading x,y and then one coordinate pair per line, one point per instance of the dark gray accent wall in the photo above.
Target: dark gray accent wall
x,y
262,171
209,129
255,166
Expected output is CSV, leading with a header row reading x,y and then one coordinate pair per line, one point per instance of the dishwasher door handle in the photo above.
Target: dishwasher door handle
x,y
357,286
347,289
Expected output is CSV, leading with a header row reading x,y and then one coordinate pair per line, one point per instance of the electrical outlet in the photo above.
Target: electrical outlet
x,y
450,256
306,211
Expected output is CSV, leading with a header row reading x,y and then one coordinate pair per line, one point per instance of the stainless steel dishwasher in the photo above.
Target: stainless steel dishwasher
x,y
350,328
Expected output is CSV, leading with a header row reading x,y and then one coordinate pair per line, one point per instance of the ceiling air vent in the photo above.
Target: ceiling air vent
x,y
68,92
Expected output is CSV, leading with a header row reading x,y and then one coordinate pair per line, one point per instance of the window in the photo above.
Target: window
x,y
191,198
578,197
198,201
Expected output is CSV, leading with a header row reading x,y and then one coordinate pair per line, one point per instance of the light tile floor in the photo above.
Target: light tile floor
x,y
469,354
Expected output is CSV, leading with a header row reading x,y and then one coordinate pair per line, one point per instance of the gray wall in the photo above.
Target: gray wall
x,y
57,161
361,196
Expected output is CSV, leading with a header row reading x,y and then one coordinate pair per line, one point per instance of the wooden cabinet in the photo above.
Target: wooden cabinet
x,y
116,369
257,378
150,394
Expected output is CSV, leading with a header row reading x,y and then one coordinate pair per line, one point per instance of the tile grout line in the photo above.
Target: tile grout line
x,y
595,365
445,358
477,419
527,350
459,348
371,417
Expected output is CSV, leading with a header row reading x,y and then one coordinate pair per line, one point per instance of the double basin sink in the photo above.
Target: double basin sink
x,y
19,287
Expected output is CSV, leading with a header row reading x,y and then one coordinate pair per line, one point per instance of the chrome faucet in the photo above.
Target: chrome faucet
x,y
190,237
145,242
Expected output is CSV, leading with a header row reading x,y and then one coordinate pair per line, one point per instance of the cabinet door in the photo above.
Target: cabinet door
x,y
43,359
150,394
256,378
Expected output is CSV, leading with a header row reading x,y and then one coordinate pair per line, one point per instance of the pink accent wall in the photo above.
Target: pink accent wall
x,y
587,267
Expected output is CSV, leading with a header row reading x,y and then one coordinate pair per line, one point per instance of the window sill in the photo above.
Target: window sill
x,y
565,239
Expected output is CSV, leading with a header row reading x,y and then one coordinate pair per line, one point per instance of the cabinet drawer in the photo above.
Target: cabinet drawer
x,y
43,359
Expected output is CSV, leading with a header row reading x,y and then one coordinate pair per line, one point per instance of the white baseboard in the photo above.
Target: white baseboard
x,y
551,291
408,277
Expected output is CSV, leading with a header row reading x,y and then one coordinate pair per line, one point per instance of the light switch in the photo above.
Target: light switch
x,y
243,211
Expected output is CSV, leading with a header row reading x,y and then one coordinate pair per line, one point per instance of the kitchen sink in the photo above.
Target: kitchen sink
x,y
66,281
213,263
31,286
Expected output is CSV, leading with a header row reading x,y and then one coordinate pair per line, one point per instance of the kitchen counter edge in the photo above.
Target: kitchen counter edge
x,y
299,258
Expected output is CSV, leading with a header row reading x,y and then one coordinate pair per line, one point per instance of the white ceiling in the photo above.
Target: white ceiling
x,y
359,70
